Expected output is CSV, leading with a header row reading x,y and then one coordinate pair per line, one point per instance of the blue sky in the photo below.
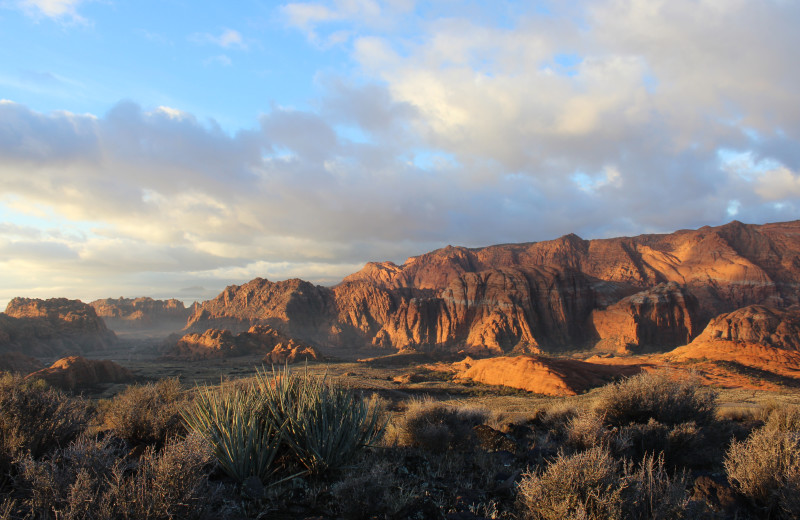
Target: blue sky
x,y
171,148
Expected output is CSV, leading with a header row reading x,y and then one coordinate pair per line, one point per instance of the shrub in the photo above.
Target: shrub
x,y
435,426
165,485
585,485
593,485
765,468
147,414
656,395
784,418
235,422
35,419
325,423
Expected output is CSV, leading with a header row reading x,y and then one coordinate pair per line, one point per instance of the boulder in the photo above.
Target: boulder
x,y
76,372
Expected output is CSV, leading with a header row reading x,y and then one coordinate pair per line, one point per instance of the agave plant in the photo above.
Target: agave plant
x,y
326,424
237,425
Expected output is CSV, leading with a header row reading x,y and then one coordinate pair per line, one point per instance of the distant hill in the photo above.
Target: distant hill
x,y
142,314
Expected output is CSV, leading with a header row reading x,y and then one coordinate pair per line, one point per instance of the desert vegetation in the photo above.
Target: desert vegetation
x,y
302,445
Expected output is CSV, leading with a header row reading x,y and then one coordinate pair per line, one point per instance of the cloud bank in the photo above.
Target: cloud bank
x,y
601,118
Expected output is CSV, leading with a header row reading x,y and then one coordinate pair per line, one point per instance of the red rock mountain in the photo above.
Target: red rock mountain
x,y
133,314
629,294
52,327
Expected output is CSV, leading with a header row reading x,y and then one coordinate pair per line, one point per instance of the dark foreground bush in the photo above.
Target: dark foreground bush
x,y
147,414
765,468
594,485
92,479
436,426
657,396
35,419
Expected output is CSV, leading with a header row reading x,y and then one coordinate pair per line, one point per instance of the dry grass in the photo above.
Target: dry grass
x,y
435,426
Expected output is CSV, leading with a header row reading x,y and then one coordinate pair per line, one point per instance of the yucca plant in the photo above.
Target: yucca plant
x,y
326,424
238,426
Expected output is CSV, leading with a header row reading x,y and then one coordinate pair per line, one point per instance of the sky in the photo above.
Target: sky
x,y
171,148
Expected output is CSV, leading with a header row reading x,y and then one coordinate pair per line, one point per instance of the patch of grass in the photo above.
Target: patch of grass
x,y
436,426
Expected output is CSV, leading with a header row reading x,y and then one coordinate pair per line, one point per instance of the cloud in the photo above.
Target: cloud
x,y
605,118
227,39
55,9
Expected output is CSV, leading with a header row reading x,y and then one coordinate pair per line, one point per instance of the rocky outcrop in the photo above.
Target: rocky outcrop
x,y
19,363
660,317
628,294
259,339
75,372
52,327
136,314
756,337
540,374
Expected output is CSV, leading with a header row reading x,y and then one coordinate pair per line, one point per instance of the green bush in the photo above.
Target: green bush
x,y
36,420
236,423
657,396
147,414
765,468
436,426
325,423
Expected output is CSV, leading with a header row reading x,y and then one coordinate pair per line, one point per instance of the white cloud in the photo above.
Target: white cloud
x,y
227,39
56,9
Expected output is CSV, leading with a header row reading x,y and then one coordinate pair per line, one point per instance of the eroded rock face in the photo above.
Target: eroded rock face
x,y
125,314
756,337
75,372
541,374
216,343
654,291
52,327
660,317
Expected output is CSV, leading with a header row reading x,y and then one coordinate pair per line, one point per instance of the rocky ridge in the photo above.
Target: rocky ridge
x,y
624,294
76,372
135,314
52,327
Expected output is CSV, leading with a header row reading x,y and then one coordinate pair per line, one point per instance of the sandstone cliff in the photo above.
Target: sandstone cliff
x,y
52,327
764,339
627,294
142,314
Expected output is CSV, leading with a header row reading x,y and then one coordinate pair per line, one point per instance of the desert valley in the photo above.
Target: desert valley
x,y
509,358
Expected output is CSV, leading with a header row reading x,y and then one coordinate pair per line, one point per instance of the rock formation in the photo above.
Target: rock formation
x,y
540,374
142,314
216,343
627,294
757,337
663,316
52,327
76,372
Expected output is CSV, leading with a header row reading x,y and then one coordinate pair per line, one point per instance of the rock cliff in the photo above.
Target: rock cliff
x,y
625,294
142,314
52,327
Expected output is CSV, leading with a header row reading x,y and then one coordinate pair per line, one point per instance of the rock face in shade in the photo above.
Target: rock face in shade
x,y
134,314
76,372
259,339
52,327
756,337
542,375
19,363
548,296
660,317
